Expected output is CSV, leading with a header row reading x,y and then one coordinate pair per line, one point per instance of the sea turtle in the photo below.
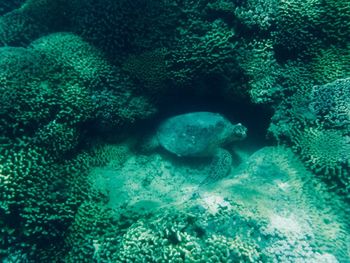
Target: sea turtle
x,y
199,134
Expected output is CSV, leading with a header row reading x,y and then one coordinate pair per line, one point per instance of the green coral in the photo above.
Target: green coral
x,y
20,26
38,198
331,63
26,100
316,123
56,13
102,91
92,226
149,70
257,15
331,104
305,25
109,154
58,138
121,28
7,6
48,94
18,29
65,87
208,53
325,151
74,54
177,237
33,95
19,65
258,62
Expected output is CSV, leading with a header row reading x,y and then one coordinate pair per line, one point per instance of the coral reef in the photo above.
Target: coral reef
x,y
6,6
75,76
121,28
307,25
38,200
316,123
181,237
19,26
271,208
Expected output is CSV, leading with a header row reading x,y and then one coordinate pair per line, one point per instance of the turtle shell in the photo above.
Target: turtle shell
x,y
193,134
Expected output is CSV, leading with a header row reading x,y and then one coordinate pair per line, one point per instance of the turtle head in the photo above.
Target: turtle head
x,y
238,132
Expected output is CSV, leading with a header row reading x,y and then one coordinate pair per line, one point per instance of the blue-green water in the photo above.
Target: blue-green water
x,y
99,164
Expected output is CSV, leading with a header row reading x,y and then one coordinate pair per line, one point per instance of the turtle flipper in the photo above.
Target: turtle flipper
x,y
219,167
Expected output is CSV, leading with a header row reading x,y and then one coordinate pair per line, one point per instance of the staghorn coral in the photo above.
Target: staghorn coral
x,y
76,104
109,154
47,97
222,8
322,106
19,65
55,16
93,225
60,77
115,110
33,95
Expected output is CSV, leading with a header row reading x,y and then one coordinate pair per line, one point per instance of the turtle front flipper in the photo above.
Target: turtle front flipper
x,y
219,167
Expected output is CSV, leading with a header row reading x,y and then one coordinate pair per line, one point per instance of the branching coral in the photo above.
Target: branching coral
x,y
331,63
72,53
26,101
120,28
38,198
316,123
331,104
325,151
305,25
103,76
256,14
178,237
149,69
208,53
18,29
93,225
257,59
58,138
20,26
7,6
100,90
47,95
